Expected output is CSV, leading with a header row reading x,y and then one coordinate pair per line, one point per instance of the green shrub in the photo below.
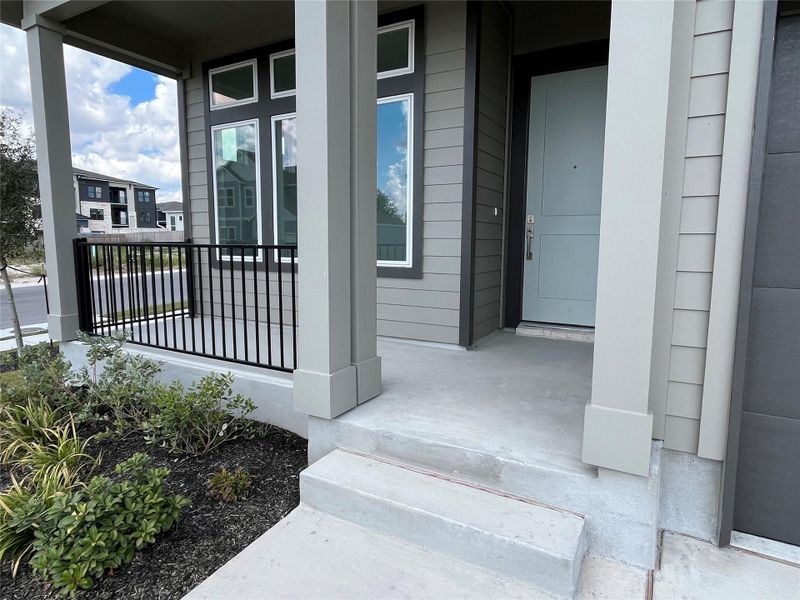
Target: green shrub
x,y
46,374
59,456
229,486
26,423
124,389
201,419
19,511
84,533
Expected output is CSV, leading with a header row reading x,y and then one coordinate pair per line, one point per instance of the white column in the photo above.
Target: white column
x,y
363,242
336,206
54,160
618,425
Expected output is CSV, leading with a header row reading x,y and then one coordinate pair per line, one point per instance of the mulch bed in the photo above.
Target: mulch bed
x,y
209,533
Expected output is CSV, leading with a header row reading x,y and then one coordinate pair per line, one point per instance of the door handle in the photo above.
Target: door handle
x,y
529,238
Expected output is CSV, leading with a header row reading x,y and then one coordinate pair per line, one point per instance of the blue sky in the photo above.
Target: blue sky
x,y
123,120
392,151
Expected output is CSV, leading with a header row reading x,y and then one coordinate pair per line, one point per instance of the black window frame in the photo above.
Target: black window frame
x,y
267,107
95,211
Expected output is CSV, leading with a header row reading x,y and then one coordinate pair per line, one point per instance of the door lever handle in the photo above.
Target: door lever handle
x,y
529,238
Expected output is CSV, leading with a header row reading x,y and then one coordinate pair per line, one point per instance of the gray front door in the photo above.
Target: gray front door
x,y
565,174
767,498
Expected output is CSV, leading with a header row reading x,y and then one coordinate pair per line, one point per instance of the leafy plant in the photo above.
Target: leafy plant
x,y
86,532
24,424
201,419
59,456
19,510
46,374
125,386
229,486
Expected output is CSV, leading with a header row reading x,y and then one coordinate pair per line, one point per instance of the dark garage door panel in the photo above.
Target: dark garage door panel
x,y
772,379
767,496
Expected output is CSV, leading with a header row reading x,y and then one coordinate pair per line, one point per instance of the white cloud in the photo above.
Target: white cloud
x,y
396,186
108,134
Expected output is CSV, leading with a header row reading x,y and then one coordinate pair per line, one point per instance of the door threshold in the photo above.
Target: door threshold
x,y
573,333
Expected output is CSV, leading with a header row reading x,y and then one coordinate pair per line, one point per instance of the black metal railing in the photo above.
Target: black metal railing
x,y
234,302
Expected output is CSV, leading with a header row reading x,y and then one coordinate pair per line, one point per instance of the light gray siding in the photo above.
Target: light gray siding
x,y
493,57
428,308
705,132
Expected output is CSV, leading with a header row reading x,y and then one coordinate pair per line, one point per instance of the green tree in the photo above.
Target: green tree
x,y
19,201
388,213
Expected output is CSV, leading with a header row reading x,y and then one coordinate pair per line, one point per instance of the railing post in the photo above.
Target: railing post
x,y
190,277
82,284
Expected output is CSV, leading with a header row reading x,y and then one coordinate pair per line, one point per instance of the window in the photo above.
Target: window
x,y
394,149
235,168
233,85
282,74
144,217
90,191
96,214
172,225
141,196
98,192
284,179
122,196
396,49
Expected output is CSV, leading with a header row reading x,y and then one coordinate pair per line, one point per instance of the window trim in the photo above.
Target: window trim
x,y
273,141
252,62
259,230
285,93
409,262
407,24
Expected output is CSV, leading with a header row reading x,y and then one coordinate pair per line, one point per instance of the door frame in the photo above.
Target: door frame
x,y
523,68
757,162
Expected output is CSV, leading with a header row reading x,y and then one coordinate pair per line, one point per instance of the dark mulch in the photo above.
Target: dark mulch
x,y
210,532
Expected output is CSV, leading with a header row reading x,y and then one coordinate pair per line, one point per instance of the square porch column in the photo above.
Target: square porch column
x,y
618,423
336,107
54,164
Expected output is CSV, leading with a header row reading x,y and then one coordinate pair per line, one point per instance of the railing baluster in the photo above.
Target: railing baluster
x,y
163,296
244,307
211,305
256,253
269,308
155,294
180,285
294,312
190,286
202,308
233,304
222,305
280,307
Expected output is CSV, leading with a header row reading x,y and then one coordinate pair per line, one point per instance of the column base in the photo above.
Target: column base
x,y
617,439
368,378
63,328
325,395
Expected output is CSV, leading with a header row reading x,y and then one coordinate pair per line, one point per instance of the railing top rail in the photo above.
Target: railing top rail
x,y
185,244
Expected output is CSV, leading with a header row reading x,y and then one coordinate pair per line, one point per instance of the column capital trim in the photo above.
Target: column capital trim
x,y
37,20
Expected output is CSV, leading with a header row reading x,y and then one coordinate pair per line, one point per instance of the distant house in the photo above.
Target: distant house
x,y
170,215
111,203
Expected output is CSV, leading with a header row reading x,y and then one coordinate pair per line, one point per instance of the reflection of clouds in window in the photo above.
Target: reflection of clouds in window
x,y
289,142
393,132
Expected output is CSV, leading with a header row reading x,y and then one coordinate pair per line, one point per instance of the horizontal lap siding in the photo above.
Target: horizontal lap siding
x,y
705,128
196,152
428,308
490,165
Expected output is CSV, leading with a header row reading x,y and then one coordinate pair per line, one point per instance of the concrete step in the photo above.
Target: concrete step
x,y
541,546
314,555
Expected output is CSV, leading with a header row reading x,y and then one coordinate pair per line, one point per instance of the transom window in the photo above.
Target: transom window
x,y
282,74
396,49
233,85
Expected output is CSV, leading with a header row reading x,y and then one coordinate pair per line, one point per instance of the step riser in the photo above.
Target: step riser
x,y
552,573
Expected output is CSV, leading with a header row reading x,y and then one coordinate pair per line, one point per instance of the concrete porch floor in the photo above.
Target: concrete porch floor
x,y
517,398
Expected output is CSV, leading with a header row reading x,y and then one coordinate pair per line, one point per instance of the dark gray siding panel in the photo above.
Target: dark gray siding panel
x,y
772,381
766,493
85,183
778,245
768,477
490,163
784,126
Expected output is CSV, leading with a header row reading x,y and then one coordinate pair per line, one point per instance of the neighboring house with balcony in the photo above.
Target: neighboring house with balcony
x,y
565,321
113,204
170,215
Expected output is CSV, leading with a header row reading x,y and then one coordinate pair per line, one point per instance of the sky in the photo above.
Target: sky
x,y
393,151
123,120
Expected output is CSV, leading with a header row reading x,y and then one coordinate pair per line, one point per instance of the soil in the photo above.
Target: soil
x,y
209,533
